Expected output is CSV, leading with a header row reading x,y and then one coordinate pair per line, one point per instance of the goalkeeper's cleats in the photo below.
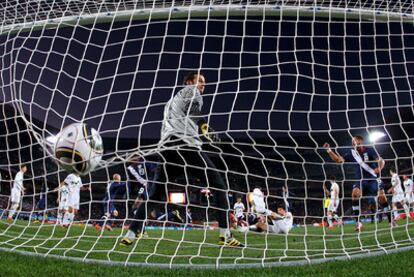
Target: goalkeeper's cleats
x,y
142,235
107,227
230,241
125,242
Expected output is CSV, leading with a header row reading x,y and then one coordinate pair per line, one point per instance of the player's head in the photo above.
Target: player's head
x,y
238,198
392,170
115,213
195,78
405,177
332,178
116,177
281,210
23,168
357,140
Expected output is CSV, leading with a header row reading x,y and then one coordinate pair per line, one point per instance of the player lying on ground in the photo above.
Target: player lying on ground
x,y
17,192
398,196
367,166
182,155
280,222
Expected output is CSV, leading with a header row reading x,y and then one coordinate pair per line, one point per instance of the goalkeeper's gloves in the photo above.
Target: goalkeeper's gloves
x,y
208,132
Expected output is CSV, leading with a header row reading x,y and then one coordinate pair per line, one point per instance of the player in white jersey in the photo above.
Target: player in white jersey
x,y
409,191
334,201
63,201
282,222
398,196
17,192
73,185
239,209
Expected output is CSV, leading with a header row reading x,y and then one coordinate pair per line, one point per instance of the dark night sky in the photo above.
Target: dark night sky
x,y
296,77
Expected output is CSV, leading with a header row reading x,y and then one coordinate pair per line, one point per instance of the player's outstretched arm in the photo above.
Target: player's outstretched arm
x,y
334,156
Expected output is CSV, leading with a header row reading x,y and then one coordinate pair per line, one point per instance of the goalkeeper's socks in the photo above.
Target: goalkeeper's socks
x,y
224,232
407,210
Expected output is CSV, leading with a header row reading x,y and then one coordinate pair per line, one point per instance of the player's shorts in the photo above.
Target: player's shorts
x,y
64,202
240,218
74,200
16,195
143,192
409,197
279,227
397,198
369,189
332,207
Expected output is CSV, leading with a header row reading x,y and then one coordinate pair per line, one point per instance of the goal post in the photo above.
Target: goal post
x,y
282,79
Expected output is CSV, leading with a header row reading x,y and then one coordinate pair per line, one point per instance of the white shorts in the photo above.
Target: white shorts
x,y
64,202
332,207
280,227
74,200
409,197
398,198
16,195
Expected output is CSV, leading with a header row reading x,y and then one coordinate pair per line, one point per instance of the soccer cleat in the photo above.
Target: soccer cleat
x,y
9,219
331,227
142,235
97,227
230,241
125,242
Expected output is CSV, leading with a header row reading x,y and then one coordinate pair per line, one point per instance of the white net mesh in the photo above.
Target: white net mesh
x,y
283,78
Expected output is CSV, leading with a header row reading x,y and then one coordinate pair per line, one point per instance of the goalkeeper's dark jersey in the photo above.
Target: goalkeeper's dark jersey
x,y
179,117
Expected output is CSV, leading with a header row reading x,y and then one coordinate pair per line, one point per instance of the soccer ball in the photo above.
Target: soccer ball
x,y
78,148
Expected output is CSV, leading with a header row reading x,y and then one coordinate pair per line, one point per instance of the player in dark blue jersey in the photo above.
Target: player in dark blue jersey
x,y
140,172
367,166
40,209
114,189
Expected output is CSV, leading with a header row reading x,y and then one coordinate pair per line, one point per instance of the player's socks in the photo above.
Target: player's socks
x,y
252,228
224,232
372,216
388,213
395,213
407,210
355,209
330,220
71,218
66,219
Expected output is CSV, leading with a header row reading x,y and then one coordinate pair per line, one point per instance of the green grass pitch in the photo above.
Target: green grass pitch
x,y
198,247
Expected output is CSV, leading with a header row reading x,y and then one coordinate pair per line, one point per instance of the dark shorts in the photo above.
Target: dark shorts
x,y
369,189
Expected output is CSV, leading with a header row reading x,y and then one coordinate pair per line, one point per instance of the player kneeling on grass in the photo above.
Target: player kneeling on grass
x,y
280,222
398,197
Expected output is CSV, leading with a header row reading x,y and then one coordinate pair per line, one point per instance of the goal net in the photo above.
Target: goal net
x,y
283,77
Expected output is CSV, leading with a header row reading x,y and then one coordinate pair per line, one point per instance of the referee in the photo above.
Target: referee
x,y
184,156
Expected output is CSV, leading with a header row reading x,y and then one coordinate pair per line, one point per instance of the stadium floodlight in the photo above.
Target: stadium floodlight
x,y
376,136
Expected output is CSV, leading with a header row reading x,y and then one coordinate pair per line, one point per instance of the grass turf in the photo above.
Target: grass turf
x,y
198,246
399,264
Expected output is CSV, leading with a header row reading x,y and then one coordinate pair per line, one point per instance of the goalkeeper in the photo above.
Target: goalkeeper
x,y
181,155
